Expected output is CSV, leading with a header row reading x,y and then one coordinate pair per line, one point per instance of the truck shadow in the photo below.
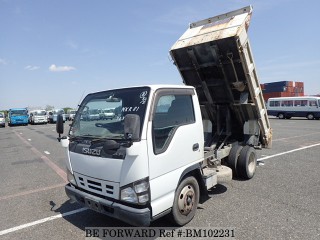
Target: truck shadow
x,y
91,219
217,189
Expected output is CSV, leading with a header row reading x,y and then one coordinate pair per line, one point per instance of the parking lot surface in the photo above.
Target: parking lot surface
x,y
282,201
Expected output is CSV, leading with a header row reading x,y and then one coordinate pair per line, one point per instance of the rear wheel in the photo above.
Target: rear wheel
x,y
310,116
185,201
247,163
233,158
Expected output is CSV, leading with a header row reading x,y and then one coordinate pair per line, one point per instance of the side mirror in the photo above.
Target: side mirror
x,y
59,126
132,126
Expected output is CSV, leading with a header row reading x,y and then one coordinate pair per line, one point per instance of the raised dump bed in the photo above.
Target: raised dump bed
x,y
215,57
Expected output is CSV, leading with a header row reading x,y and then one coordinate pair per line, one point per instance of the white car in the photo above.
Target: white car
x,y
2,120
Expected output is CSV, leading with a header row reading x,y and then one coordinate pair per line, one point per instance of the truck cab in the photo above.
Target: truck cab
x,y
115,163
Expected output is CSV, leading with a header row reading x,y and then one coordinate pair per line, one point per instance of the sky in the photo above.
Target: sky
x,y
56,52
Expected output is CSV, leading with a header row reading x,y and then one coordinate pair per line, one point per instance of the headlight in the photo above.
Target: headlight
x,y
71,178
129,195
137,192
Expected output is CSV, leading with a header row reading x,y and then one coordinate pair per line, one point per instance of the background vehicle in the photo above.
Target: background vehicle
x,y
107,113
38,116
52,115
70,114
169,144
18,116
2,119
288,107
94,114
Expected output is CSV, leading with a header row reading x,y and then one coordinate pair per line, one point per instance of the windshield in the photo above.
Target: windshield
x,y
94,111
109,108
1,115
58,111
19,112
39,113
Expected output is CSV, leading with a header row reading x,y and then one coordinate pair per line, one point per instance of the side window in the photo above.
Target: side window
x,y
171,111
304,103
274,103
297,103
271,103
312,103
288,103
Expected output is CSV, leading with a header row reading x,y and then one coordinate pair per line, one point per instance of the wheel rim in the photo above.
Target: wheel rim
x,y
252,164
186,200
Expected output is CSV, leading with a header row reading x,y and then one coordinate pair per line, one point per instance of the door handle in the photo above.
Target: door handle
x,y
195,147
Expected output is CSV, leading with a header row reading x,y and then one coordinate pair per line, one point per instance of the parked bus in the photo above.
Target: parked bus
x,y
37,116
287,107
18,116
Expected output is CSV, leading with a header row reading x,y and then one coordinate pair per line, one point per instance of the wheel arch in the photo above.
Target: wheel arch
x,y
195,171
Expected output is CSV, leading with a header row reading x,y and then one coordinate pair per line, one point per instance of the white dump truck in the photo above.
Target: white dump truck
x,y
169,144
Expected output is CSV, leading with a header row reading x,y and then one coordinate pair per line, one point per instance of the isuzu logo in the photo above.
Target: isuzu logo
x,y
90,151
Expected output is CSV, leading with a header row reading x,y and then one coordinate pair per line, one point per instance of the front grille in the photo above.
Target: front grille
x,y
102,187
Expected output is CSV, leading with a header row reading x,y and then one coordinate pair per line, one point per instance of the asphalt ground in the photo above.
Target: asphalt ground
x,y
282,201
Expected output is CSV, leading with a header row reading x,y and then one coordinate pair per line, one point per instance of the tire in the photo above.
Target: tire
x,y
281,116
310,116
247,163
233,158
185,202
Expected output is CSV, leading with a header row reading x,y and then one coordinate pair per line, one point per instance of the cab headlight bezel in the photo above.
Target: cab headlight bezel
x,y
137,192
71,178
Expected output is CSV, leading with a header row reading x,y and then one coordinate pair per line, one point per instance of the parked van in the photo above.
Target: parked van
x,y
37,116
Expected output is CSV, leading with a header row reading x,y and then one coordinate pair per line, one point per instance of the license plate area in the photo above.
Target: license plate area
x,y
92,204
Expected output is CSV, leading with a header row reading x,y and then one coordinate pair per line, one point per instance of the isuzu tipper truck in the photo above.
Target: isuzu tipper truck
x,y
167,145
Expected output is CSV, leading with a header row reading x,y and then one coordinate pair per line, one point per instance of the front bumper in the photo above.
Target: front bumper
x,y
40,120
133,216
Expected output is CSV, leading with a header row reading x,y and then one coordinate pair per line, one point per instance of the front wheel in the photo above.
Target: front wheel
x,y
185,201
281,116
